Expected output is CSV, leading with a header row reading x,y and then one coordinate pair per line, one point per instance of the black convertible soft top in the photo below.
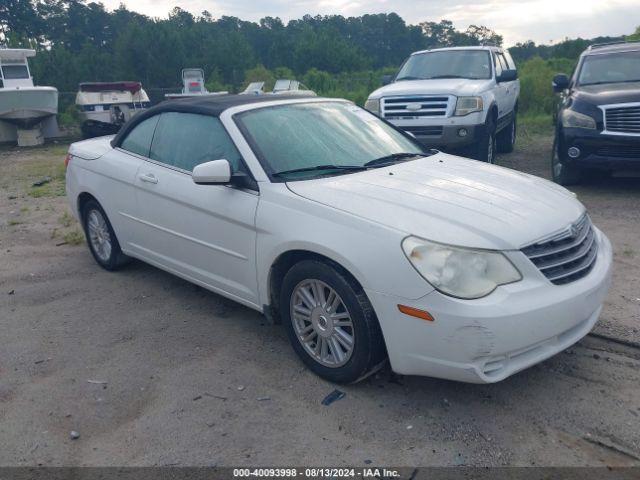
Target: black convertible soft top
x,y
212,105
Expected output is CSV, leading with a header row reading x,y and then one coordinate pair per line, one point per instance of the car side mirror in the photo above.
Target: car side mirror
x,y
386,79
560,82
507,76
215,172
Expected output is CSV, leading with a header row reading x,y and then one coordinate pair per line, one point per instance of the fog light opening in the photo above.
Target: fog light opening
x,y
573,152
462,132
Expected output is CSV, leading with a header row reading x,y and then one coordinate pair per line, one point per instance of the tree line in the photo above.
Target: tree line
x,y
80,41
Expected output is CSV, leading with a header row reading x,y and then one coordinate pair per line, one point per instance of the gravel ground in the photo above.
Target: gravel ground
x,y
151,370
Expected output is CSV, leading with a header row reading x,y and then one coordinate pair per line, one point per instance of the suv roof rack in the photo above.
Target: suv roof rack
x,y
608,44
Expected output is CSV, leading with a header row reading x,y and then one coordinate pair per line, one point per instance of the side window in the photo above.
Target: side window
x,y
139,139
503,62
184,140
509,58
499,68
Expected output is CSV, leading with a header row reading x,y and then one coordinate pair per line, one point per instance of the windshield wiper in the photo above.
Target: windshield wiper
x,y
409,77
350,168
391,159
608,81
444,76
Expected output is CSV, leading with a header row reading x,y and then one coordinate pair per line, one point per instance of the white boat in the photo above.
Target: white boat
x,y
193,85
27,113
282,86
291,87
105,106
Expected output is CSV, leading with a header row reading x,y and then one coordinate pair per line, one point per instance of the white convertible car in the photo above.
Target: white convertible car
x,y
362,243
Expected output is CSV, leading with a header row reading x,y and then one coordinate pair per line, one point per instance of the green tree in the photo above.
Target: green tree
x,y
634,37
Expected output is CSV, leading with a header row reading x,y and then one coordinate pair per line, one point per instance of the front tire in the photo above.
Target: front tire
x,y
330,322
506,139
486,147
562,173
101,238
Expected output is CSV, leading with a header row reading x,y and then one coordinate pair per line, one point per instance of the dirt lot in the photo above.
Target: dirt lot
x,y
151,370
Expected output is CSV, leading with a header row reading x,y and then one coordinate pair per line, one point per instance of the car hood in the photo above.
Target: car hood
x,y
608,93
444,86
452,200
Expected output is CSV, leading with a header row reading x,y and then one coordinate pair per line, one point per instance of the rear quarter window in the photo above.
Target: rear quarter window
x,y
139,139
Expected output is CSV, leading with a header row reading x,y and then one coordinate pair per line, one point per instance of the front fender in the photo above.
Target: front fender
x,y
372,253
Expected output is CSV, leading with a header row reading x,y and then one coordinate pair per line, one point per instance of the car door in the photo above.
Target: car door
x,y
504,92
513,87
205,233
501,92
120,168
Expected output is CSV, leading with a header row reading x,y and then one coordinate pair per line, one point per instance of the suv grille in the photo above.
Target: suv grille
x,y
568,256
410,107
622,119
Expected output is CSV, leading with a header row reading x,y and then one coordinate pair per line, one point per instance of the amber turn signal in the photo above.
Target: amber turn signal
x,y
415,312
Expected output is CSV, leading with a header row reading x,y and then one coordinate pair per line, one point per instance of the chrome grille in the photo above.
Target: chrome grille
x,y
622,118
568,256
411,107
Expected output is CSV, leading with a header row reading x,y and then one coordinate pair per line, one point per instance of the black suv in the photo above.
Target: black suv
x,y
598,119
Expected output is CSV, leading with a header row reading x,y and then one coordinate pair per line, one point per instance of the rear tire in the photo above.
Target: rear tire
x,y
506,139
330,323
101,238
562,173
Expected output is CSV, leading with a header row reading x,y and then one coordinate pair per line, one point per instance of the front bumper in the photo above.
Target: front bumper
x,y
488,339
443,133
600,151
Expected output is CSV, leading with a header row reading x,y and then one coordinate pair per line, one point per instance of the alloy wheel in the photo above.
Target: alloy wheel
x,y
322,323
490,149
556,166
513,133
99,235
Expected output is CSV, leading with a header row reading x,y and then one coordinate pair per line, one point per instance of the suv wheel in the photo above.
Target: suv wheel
x,y
562,173
330,323
506,139
486,147
102,240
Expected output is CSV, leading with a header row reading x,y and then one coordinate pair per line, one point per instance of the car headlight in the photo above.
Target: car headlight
x,y
373,105
467,105
572,119
460,272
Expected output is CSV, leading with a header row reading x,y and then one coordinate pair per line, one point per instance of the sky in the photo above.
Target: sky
x,y
543,21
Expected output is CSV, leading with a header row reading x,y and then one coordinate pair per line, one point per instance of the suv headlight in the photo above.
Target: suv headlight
x,y
373,105
467,105
460,272
572,119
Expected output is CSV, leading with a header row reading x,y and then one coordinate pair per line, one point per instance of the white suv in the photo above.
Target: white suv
x,y
460,98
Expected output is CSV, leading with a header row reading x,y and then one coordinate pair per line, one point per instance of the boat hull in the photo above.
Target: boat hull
x,y
27,106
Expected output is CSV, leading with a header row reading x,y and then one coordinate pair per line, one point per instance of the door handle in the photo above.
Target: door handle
x,y
148,177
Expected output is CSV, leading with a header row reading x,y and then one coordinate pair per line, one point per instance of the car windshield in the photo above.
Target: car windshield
x,y
307,140
472,64
619,67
